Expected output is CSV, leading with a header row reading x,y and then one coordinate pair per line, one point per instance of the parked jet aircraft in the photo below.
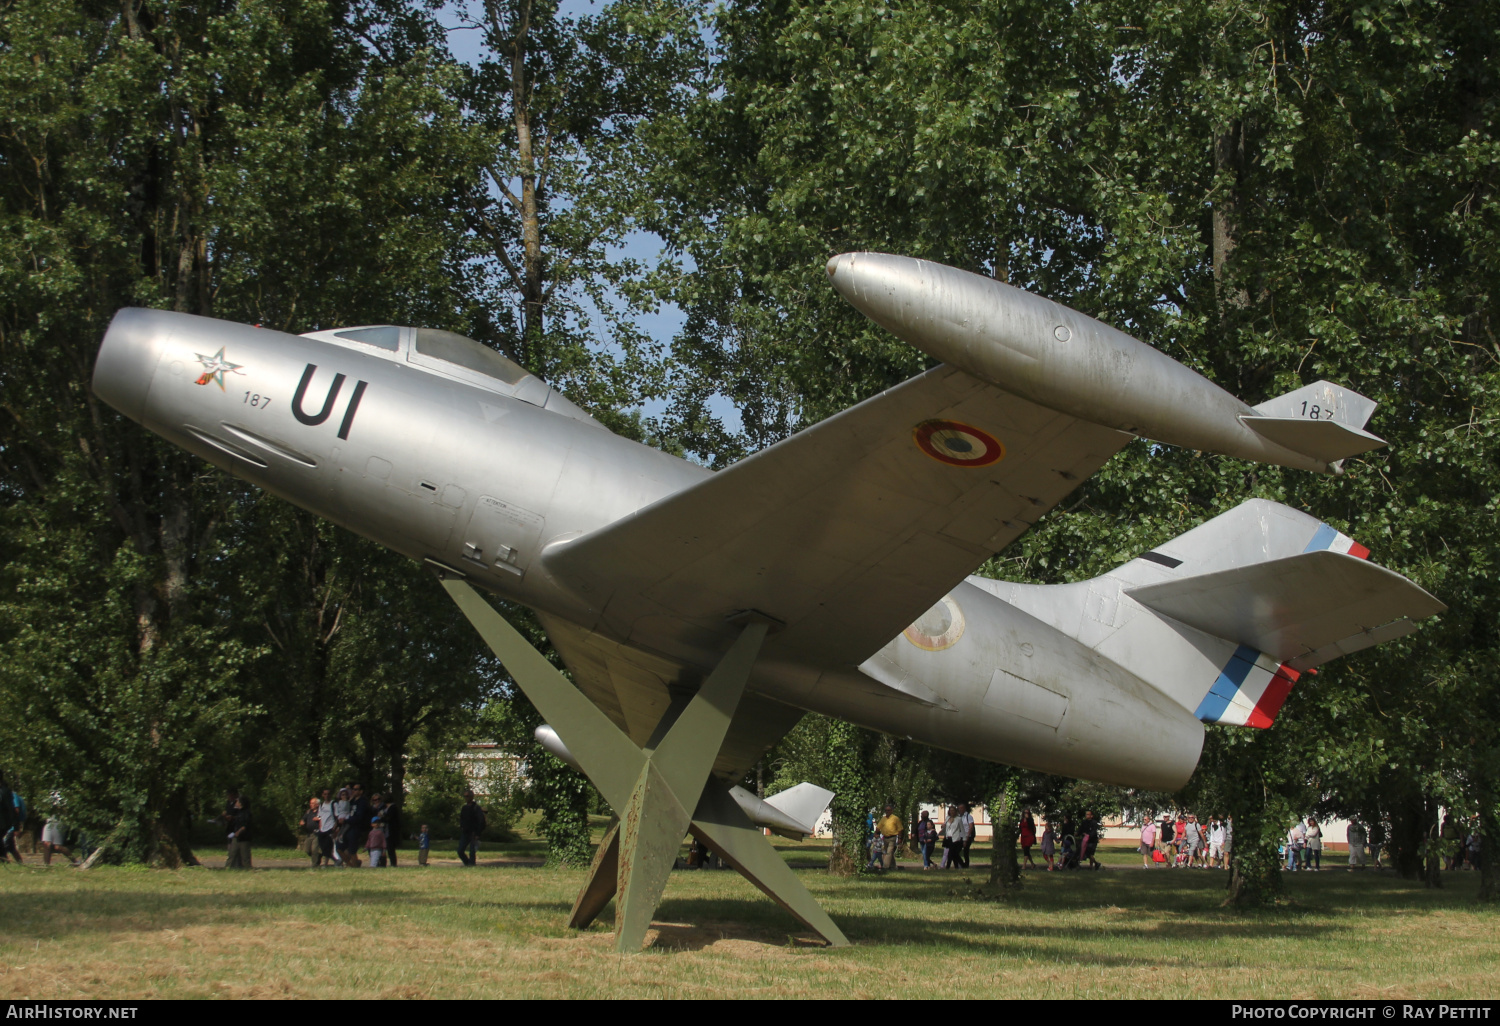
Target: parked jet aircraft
x,y
701,613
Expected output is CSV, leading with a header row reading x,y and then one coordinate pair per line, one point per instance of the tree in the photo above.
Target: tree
x,y
207,159
557,101
1271,194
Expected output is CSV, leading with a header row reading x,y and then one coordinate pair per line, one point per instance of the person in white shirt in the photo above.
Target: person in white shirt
x,y
1216,843
953,833
326,823
968,818
342,810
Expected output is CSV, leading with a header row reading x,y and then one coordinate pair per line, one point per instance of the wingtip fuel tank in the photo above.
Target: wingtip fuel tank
x,y
1064,360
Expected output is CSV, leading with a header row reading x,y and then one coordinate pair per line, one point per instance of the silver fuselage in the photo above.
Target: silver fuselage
x,y
482,476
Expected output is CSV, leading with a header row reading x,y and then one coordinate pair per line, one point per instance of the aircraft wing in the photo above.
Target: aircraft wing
x,y
846,532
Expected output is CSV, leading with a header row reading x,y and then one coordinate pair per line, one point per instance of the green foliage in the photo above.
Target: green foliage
x,y
563,796
211,159
557,99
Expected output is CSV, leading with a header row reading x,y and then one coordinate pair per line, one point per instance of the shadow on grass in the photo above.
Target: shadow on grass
x,y
1047,920
1037,939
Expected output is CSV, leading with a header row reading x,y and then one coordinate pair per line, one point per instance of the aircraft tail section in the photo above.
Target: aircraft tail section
x,y
1321,420
1225,618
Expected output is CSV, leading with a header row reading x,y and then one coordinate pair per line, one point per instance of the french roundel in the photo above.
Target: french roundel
x,y
958,445
939,628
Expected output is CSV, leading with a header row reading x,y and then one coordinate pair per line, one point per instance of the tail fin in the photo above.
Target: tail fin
x,y
1224,618
1322,420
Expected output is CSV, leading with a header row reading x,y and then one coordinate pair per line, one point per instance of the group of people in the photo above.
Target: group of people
x,y
1303,849
888,835
13,813
956,834
1460,842
1185,843
337,828
1066,843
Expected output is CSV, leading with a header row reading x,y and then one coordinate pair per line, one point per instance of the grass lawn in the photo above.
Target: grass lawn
x,y
497,931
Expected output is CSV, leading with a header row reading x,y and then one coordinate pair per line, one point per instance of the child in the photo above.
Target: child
x,y
1049,845
376,842
424,841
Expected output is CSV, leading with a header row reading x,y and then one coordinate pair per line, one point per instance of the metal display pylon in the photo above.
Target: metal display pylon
x,y
650,789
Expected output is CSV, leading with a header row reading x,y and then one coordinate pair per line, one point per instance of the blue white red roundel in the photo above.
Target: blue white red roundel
x,y
956,444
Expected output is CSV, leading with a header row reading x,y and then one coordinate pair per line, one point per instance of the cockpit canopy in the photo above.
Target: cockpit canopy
x,y
454,356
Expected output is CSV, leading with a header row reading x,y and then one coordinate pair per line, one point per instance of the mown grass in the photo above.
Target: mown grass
x,y
497,931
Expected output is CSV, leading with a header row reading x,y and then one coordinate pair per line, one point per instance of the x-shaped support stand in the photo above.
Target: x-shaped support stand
x,y
651,790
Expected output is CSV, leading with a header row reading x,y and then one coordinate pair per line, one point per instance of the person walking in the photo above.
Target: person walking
x,y
969,832
358,825
1088,840
1148,843
890,829
1356,836
1216,844
1049,845
926,834
953,838
326,823
11,820
240,835
308,826
471,823
342,810
1296,837
53,834
1313,853
424,844
1192,840
1028,837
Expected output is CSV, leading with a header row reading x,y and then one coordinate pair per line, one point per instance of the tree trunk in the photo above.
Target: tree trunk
x,y
1404,839
1229,164
846,779
532,268
1432,872
1005,870
1254,867
1489,836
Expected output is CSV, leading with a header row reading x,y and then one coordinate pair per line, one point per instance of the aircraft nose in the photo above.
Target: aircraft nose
x,y
128,357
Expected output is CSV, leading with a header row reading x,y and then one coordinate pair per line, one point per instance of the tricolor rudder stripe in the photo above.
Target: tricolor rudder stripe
x,y
1250,690
1327,538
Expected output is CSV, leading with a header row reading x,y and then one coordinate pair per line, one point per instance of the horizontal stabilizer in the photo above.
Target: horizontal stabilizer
x,y
1325,440
793,813
1301,610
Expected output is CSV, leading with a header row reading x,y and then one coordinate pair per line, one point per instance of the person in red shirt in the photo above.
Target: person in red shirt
x,y
1028,836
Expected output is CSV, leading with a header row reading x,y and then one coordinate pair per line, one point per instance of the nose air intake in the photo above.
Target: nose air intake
x,y
128,357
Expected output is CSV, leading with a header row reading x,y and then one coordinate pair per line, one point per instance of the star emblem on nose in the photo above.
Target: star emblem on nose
x,y
215,367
